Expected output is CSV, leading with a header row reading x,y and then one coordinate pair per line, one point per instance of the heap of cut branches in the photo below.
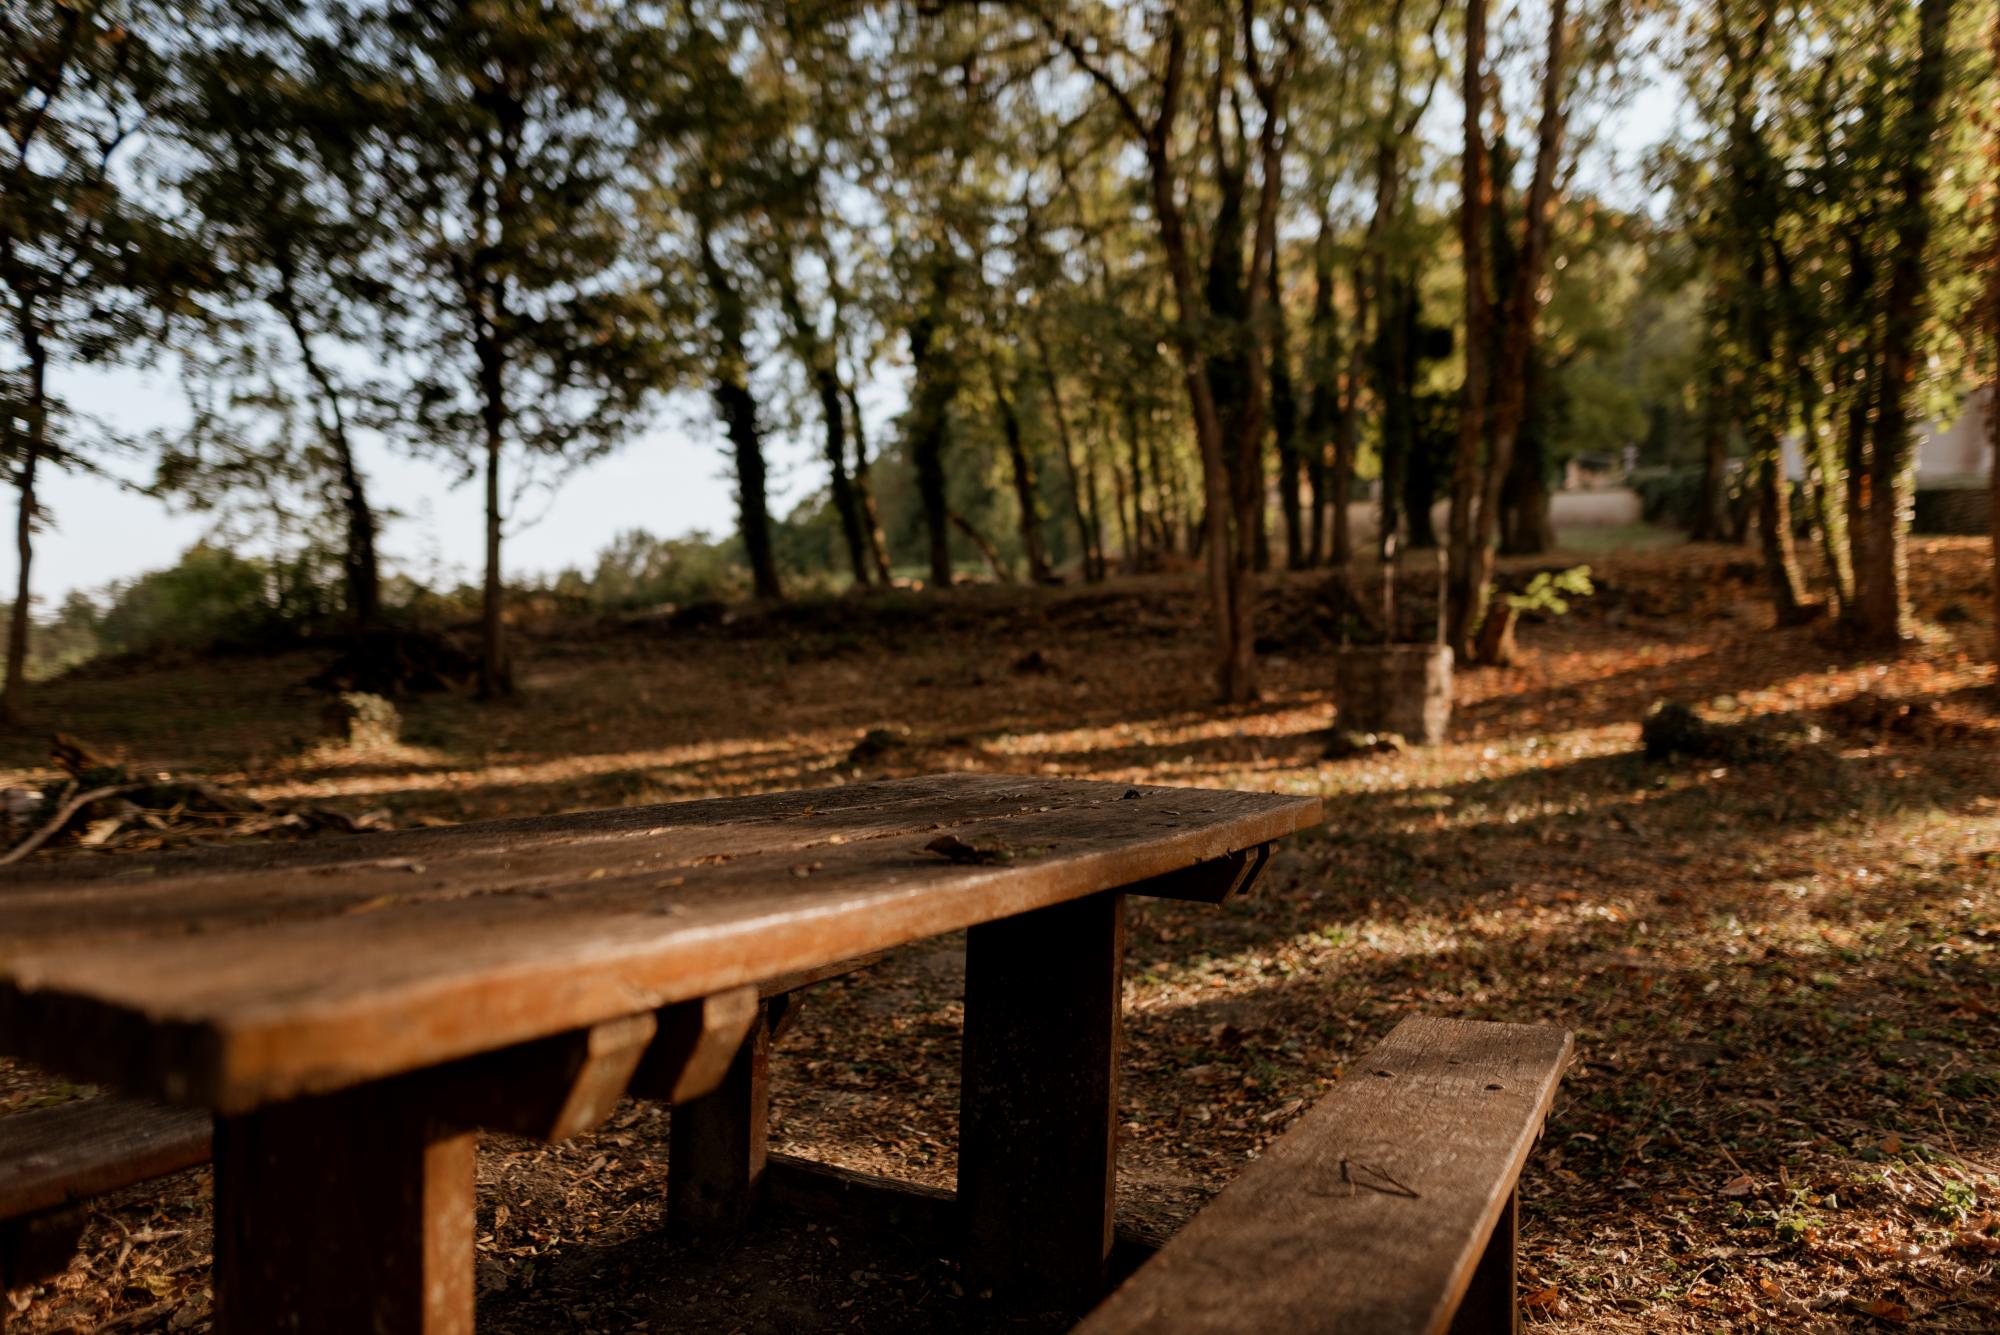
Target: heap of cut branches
x,y
100,804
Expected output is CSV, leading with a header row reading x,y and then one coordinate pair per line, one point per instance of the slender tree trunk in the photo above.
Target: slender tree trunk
x,y
845,503
935,379
496,677
1127,526
360,569
1087,540
819,364
1324,407
1817,449
1715,415
1993,384
864,489
738,409
987,550
1509,374
1525,523
1993,482
1774,534
1285,426
1234,668
739,415
1346,445
1026,493
34,443
1473,202
1136,443
1882,581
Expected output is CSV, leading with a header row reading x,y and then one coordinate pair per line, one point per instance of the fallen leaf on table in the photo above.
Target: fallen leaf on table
x,y
958,850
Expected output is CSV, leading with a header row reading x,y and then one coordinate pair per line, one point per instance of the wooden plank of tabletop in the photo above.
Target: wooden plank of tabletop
x,y
234,978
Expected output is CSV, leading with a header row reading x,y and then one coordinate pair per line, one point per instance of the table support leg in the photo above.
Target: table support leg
x,y
716,1143
1038,1108
342,1214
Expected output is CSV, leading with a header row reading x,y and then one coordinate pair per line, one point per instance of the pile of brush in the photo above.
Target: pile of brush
x,y
98,803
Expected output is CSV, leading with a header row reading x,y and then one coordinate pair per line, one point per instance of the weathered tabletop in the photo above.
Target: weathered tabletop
x,y
233,978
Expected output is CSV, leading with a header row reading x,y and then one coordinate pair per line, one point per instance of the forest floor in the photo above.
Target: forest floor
x,y
1783,974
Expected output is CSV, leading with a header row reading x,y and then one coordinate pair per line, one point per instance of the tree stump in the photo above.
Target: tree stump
x,y
1394,688
363,720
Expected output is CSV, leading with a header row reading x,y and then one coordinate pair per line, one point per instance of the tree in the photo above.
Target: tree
x,y
1477,484
1147,92
506,144
90,270
1881,600
275,184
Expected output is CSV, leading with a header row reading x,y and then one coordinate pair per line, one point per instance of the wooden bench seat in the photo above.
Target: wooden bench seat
x,y
1389,1208
54,1160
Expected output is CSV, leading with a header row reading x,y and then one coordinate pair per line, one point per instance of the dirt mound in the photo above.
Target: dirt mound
x,y
399,660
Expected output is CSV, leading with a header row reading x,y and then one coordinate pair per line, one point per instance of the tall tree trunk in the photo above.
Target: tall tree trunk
x,y
935,377
33,444
1526,529
496,677
1993,482
1026,497
987,550
738,408
1774,534
1473,585
1817,448
1882,581
1086,536
1235,664
819,364
361,570
1472,225
1285,427
1993,384
1346,448
1324,408
1127,527
864,488
1715,415
1135,553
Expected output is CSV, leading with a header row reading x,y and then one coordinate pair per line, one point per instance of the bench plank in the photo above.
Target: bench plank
x,y
51,1157
233,978
1374,1211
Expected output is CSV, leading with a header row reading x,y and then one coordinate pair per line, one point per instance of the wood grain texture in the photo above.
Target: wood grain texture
x,y
233,978
347,1213
51,1157
1038,1104
1374,1210
716,1143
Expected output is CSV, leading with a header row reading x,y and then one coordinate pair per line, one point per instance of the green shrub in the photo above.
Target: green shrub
x,y
215,599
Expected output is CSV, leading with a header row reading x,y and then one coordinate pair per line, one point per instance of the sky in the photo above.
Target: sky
x,y
670,481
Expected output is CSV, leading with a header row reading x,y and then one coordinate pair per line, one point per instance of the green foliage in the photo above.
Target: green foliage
x,y
1550,591
639,570
214,599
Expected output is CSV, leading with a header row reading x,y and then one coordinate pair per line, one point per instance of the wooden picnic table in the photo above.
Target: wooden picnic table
x,y
353,1010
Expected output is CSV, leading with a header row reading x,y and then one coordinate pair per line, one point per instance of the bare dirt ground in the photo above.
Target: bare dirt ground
x,y
1783,974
